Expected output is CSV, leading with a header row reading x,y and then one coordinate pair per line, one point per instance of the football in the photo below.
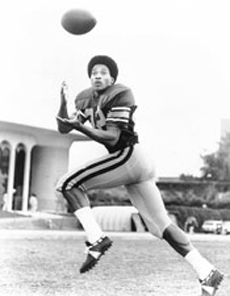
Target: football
x,y
78,21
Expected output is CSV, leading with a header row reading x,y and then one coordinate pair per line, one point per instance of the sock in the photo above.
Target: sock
x,y
201,265
89,223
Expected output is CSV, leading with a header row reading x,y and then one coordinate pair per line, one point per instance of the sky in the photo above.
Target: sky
x,y
173,54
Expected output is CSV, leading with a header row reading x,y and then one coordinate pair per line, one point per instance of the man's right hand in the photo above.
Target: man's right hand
x,y
63,112
64,93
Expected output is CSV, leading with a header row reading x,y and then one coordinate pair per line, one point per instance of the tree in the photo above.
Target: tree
x,y
217,165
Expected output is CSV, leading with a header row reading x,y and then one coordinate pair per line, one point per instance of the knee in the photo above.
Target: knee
x,y
156,228
59,186
76,197
63,191
63,187
60,191
64,184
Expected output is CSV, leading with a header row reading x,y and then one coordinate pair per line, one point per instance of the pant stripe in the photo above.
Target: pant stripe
x,y
91,171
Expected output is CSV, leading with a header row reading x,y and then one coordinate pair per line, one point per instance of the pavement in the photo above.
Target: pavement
x,y
37,221
113,218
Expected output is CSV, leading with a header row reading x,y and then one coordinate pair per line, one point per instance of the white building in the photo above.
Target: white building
x,y
31,161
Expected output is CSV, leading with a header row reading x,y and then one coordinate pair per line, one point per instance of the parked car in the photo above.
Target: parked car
x,y
212,226
226,227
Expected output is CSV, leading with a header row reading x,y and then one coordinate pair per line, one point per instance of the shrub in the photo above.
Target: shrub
x,y
201,214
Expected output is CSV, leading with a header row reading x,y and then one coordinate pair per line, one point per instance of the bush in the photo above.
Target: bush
x,y
201,214
109,197
175,202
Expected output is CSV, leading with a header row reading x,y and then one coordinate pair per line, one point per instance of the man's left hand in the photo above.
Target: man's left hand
x,y
73,122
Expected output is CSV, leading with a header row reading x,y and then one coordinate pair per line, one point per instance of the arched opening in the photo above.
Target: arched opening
x,y
4,163
19,177
4,172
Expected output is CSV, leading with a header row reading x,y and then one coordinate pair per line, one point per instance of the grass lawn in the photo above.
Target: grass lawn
x,y
47,263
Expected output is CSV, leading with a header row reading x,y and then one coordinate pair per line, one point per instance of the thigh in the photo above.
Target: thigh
x,y
146,197
112,170
122,170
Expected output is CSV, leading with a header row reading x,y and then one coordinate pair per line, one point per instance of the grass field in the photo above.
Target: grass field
x,y
47,263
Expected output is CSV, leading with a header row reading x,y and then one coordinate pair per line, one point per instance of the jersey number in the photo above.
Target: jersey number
x,y
97,119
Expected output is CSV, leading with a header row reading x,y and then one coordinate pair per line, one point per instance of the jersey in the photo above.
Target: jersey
x,y
115,105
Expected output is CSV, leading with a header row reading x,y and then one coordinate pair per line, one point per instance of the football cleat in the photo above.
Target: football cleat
x,y
94,253
210,285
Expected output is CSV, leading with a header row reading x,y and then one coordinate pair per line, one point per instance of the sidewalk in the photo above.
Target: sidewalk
x,y
37,220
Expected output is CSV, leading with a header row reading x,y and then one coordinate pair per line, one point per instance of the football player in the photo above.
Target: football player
x,y
109,107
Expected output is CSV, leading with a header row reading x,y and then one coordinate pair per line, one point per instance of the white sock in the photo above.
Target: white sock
x,y
89,223
201,265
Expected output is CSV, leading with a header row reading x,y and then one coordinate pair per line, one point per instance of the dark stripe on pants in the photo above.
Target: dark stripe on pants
x,y
99,172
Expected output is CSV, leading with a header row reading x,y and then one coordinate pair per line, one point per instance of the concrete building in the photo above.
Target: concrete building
x,y
31,161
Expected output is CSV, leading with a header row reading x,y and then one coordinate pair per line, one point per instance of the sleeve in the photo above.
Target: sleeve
x,y
121,109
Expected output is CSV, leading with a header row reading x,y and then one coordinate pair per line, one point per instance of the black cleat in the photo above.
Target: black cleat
x,y
210,285
94,253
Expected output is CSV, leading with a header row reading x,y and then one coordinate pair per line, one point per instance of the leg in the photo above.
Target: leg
x,y
105,172
108,171
97,243
210,278
147,199
80,206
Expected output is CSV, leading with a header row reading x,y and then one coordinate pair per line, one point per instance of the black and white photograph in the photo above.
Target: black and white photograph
x,y
115,148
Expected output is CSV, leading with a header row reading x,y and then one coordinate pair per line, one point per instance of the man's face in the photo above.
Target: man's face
x,y
100,77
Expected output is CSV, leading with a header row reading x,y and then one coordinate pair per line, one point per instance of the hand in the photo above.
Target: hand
x,y
72,122
64,93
